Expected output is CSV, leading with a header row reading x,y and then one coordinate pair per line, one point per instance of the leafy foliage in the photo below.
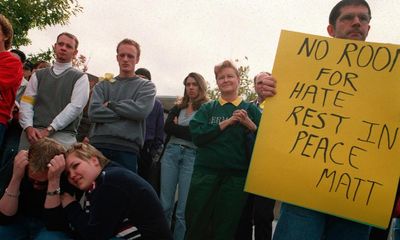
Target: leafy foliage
x,y
47,55
246,90
27,14
79,62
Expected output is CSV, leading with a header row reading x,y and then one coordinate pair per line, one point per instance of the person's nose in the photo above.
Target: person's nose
x,y
71,174
63,47
356,21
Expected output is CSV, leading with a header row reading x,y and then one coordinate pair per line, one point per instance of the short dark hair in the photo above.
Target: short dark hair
x,y
41,64
28,65
70,35
144,72
335,12
255,77
7,30
20,54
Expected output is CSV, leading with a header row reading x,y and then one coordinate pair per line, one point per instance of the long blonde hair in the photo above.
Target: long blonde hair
x,y
86,151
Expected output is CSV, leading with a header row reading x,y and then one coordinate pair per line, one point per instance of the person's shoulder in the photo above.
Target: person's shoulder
x,y
175,108
138,82
115,171
158,103
77,73
10,59
112,168
73,69
254,110
103,84
209,104
148,83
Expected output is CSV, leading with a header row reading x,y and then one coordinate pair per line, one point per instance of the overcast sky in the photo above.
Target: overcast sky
x,y
182,36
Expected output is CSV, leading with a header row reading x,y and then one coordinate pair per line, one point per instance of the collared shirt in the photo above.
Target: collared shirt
x,y
260,105
235,102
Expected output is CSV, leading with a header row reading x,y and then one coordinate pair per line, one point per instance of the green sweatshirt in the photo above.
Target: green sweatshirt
x,y
219,151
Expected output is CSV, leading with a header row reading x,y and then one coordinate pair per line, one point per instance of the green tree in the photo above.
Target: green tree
x,y
246,90
80,62
47,55
27,14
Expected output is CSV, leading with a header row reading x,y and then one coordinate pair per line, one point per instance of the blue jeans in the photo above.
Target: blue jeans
x,y
396,229
30,228
176,169
125,159
301,223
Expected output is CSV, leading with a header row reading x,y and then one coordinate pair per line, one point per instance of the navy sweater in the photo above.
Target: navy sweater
x,y
119,194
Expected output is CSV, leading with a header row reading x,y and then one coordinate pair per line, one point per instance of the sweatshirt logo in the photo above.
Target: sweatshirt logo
x,y
217,120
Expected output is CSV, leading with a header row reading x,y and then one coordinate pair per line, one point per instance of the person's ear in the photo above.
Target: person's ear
x,y
75,52
331,30
94,161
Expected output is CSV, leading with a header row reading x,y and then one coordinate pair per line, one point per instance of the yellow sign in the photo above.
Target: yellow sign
x,y
329,140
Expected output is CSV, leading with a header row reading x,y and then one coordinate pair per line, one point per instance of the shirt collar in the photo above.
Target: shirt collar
x,y
62,66
235,102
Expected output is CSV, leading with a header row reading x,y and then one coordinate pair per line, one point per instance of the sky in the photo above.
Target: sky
x,y
182,36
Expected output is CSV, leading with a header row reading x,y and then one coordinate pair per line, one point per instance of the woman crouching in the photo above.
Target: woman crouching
x,y
118,203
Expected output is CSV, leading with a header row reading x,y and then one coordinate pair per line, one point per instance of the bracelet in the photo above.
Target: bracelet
x,y
55,192
11,195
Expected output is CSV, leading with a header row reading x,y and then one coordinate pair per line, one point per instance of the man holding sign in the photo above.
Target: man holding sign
x,y
349,19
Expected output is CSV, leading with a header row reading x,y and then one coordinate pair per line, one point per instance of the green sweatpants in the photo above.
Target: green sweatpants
x,y
214,206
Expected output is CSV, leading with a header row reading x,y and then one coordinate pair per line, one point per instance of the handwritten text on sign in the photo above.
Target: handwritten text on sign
x,y
329,140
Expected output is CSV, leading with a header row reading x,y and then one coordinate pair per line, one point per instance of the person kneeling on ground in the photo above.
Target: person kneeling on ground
x,y
118,203
30,207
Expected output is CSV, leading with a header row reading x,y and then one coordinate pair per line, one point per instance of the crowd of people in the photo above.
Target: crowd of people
x,y
79,156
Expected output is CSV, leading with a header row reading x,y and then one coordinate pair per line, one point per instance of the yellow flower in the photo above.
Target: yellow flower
x,y
108,77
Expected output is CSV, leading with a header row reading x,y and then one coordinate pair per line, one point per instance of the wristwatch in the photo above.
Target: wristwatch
x,y
50,129
55,192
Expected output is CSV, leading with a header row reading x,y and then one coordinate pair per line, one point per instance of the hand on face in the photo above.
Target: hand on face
x,y
20,163
56,167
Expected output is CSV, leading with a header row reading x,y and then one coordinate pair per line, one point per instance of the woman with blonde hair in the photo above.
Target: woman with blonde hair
x,y
179,155
219,129
118,203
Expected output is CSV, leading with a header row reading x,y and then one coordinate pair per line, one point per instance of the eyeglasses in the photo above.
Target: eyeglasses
x,y
363,18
